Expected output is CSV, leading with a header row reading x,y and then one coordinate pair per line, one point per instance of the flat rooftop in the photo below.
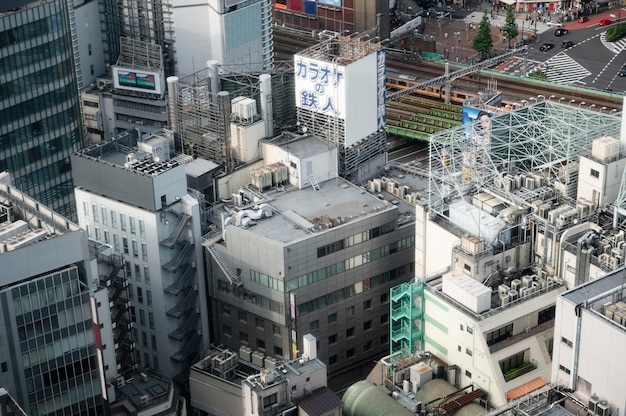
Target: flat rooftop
x,y
609,285
301,212
301,146
342,49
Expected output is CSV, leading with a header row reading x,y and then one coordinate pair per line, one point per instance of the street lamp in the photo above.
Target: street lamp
x,y
541,96
581,103
602,108
551,97
591,106
561,99
533,98
571,101
611,112
524,102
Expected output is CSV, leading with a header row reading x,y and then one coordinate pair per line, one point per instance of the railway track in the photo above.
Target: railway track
x,y
286,43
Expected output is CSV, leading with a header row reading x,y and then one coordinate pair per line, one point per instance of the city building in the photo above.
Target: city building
x,y
89,44
304,251
589,336
40,113
50,363
146,213
350,16
515,225
341,97
245,383
8,405
235,34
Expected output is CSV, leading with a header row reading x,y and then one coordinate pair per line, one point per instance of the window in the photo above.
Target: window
x,y
278,351
275,329
458,347
131,220
242,316
332,318
226,330
350,332
564,369
384,339
226,309
86,209
546,315
350,311
123,221
135,249
137,273
260,343
367,325
367,346
567,342
270,400
468,374
470,329
125,244
149,297
142,317
154,342
499,334
144,252
467,267
4,366
140,295
367,305
259,323
131,295
468,352
94,210
142,228
97,229
151,320
113,219
243,337
313,325
105,220
332,339
594,173
144,338
384,318
350,353
384,298
146,275
107,237
89,49
332,360
461,327
116,242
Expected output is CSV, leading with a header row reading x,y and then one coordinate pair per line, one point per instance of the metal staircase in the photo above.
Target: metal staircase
x,y
232,278
180,258
178,230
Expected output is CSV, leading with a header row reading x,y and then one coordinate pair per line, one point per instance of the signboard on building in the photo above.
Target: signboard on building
x,y
354,93
136,80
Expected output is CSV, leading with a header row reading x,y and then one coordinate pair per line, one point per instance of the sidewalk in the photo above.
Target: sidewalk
x,y
453,38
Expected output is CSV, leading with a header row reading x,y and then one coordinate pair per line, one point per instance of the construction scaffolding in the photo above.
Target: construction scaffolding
x,y
543,141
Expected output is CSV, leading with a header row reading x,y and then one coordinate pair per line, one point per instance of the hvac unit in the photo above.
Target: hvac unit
x,y
267,376
513,295
542,283
613,263
549,281
516,284
270,362
603,409
526,281
120,382
518,181
503,290
258,357
245,353
529,183
145,400
504,299
544,209
244,108
523,292
593,404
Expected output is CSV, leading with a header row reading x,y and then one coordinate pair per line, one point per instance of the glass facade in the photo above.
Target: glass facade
x,y
39,103
57,345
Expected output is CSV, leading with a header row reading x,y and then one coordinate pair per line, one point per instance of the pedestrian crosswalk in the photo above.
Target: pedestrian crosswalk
x,y
615,47
563,69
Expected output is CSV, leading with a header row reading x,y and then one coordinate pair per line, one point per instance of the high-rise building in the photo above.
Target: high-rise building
x,y
148,216
39,105
237,34
48,357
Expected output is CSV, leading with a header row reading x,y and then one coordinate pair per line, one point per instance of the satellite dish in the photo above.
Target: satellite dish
x,y
156,159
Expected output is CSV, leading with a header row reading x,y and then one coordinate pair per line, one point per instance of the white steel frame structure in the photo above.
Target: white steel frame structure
x,y
545,139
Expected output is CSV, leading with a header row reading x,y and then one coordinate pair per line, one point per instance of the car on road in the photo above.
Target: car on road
x,y
567,44
582,19
622,71
554,23
605,22
546,47
561,32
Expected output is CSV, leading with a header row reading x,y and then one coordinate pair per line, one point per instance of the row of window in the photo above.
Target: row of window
x,y
243,338
349,291
23,32
355,239
351,263
102,215
139,106
254,298
266,280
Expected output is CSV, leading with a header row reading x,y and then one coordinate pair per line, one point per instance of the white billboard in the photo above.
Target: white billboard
x,y
136,80
354,93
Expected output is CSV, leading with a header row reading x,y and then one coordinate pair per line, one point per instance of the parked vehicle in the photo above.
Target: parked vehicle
x,y
605,22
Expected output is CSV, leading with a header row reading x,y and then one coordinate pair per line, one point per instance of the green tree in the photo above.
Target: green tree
x,y
483,42
510,27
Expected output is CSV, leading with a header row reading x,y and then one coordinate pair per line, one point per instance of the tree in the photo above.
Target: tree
x,y
510,27
483,42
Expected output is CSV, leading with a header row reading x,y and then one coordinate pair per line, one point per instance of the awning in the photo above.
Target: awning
x,y
509,2
524,389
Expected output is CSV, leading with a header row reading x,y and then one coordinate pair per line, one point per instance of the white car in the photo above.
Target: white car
x,y
554,23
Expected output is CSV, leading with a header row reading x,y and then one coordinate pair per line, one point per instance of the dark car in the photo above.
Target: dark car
x,y
622,71
561,32
546,47
567,44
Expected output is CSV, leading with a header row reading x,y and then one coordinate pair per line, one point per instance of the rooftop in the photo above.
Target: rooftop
x,y
599,292
142,391
300,212
341,49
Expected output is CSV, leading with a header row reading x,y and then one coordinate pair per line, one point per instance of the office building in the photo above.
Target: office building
x,y
147,215
589,336
40,116
371,16
301,251
235,34
89,44
49,363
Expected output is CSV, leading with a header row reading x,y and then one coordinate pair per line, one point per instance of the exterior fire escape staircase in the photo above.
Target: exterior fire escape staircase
x,y
232,278
180,258
178,230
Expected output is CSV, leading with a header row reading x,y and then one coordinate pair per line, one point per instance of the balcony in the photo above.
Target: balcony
x,y
519,371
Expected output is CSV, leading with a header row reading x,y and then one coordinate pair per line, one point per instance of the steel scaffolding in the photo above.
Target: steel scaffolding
x,y
545,140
